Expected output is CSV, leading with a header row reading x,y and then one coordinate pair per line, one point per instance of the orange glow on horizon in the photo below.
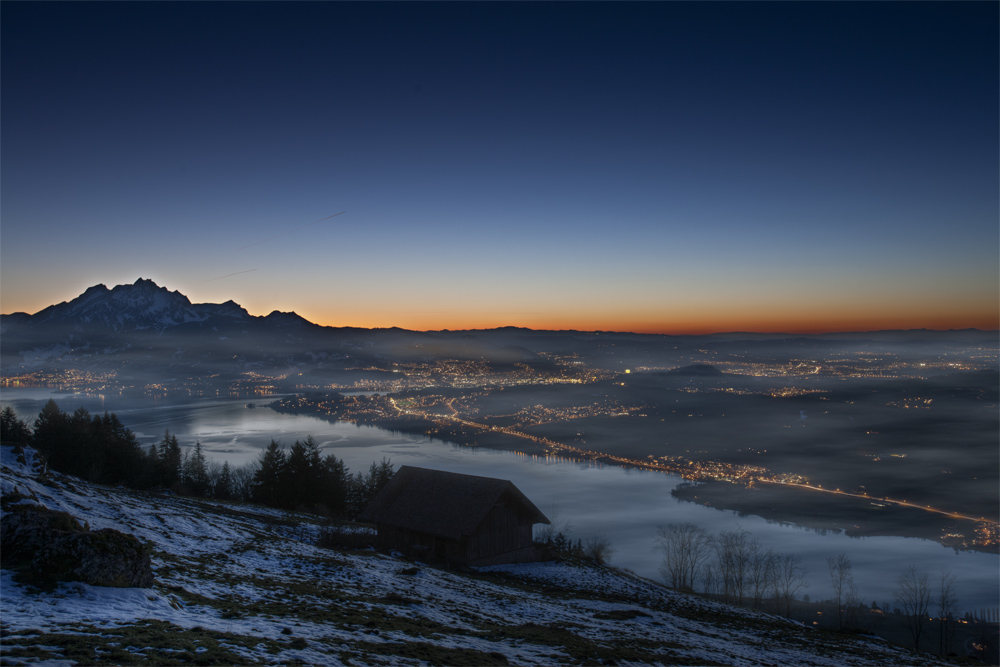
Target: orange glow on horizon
x,y
689,326
688,314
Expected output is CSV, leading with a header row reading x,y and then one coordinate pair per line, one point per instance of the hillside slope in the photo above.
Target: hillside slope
x,y
244,584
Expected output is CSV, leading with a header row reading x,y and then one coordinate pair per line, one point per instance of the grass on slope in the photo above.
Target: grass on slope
x,y
246,585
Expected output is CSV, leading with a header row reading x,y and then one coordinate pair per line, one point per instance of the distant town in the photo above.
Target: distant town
x,y
566,406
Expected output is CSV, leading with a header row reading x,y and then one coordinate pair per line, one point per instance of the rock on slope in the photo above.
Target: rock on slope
x,y
239,584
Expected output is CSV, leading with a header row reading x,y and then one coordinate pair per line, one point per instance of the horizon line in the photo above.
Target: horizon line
x,y
682,331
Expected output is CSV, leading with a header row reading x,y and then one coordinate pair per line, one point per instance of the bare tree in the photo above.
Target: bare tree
x,y
760,571
709,579
842,579
599,549
213,469
947,605
913,596
789,579
732,551
557,524
853,607
242,481
685,548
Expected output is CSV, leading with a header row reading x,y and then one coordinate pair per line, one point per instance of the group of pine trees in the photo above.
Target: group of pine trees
x,y
302,478
102,450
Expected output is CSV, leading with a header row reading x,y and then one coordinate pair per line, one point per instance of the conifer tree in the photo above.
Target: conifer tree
x,y
152,466
13,431
52,434
364,488
334,487
196,472
223,488
297,482
82,452
267,480
171,459
123,461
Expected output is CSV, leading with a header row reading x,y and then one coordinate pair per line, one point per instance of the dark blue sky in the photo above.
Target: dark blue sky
x,y
651,166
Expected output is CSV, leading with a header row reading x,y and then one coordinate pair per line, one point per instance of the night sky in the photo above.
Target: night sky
x,y
651,167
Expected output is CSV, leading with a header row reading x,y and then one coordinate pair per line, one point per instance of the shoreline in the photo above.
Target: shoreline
x,y
855,517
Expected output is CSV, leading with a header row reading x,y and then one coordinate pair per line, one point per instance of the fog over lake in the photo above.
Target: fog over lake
x,y
626,505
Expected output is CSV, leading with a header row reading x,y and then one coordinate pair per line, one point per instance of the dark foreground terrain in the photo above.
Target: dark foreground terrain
x,y
246,585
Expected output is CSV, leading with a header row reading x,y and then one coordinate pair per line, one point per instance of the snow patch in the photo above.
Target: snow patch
x,y
254,572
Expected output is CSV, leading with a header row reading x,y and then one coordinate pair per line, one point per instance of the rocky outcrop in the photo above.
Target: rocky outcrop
x,y
44,546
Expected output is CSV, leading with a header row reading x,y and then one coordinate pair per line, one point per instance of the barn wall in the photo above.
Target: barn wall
x,y
503,536
422,544
506,528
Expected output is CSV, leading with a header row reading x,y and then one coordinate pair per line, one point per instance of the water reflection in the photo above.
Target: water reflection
x,y
588,498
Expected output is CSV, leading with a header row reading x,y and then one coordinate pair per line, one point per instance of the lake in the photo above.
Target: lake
x,y
588,499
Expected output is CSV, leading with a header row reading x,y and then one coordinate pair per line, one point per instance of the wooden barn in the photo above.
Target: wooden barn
x,y
458,518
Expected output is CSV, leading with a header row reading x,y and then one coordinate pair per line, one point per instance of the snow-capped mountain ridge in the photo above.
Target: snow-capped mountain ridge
x,y
140,306
152,330
148,330
95,329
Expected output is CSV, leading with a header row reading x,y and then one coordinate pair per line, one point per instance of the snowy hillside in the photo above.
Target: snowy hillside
x,y
244,584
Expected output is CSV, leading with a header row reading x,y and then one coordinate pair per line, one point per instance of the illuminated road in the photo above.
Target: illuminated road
x,y
903,503
686,471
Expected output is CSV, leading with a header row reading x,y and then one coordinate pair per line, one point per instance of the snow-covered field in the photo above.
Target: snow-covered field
x,y
244,584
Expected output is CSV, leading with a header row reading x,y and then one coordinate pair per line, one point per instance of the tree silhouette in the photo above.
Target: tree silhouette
x,y
223,487
913,596
333,492
685,548
53,435
732,550
267,480
170,459
118,450
599,549
196,472
947,605
13,431
789,578
842,579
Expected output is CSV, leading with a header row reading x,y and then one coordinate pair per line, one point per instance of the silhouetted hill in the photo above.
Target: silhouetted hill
x,y
144,331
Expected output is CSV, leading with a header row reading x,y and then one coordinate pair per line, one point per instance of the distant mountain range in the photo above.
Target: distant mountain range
x,y
142,306
143,329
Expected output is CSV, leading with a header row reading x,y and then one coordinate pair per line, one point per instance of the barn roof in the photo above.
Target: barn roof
x,y
444,504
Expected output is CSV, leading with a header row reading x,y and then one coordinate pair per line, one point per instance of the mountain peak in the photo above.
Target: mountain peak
x,y
141,305
290,317
92,293
148,296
